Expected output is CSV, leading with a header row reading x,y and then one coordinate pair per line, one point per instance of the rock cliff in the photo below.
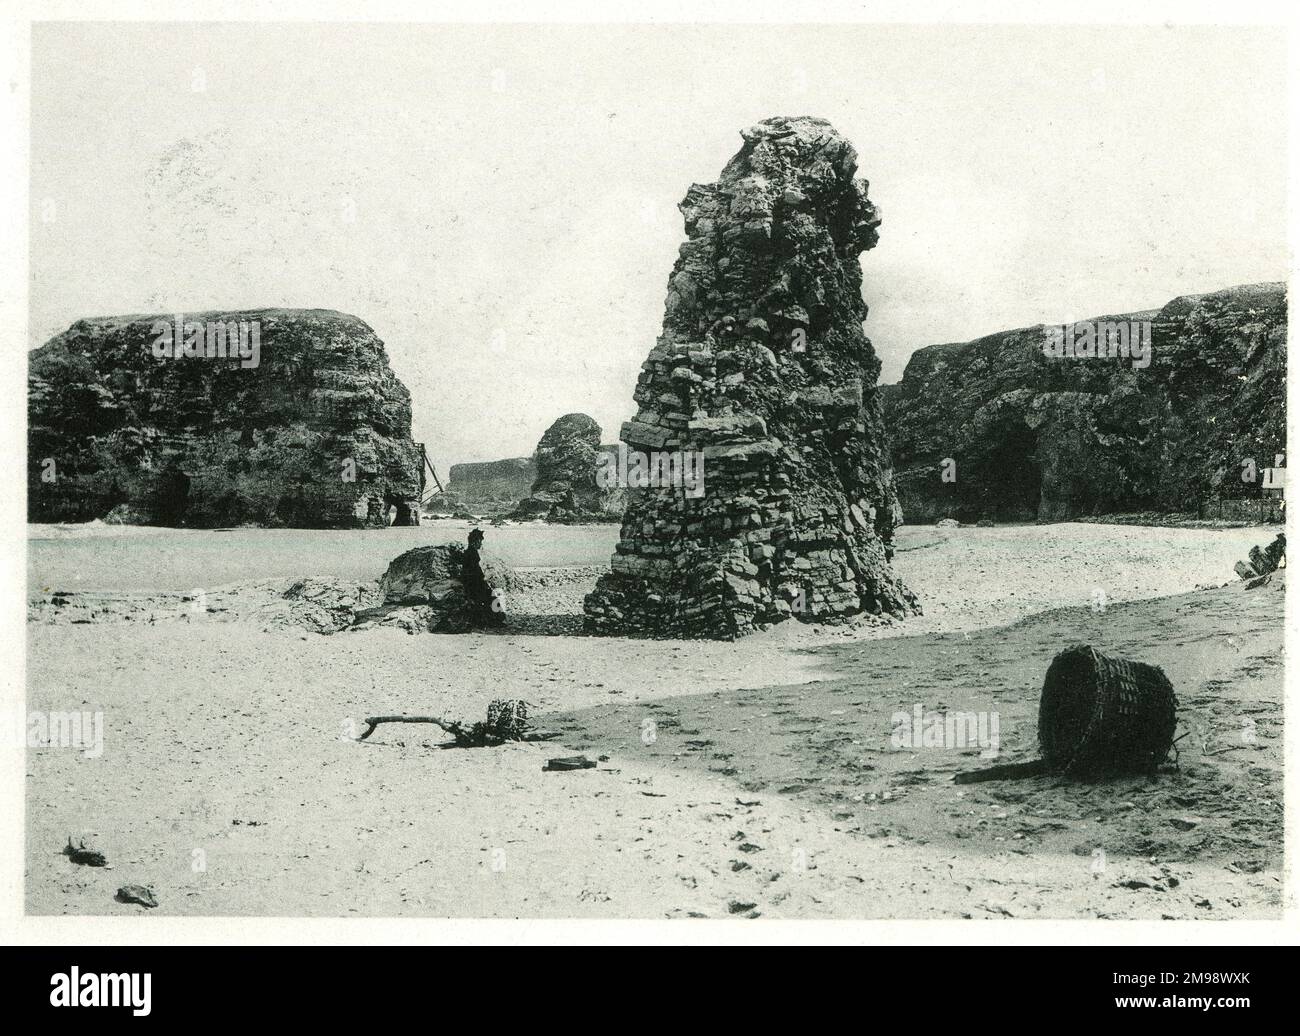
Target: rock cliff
x,y
997,428
491,485
268,417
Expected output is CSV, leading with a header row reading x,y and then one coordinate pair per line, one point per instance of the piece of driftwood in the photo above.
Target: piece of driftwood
x,y
1263,560
373,721
570,762
507,720
1004,772
457,730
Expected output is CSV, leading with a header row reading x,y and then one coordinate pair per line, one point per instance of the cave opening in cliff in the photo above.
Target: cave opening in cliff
x,y
1005,475
170,497
402,512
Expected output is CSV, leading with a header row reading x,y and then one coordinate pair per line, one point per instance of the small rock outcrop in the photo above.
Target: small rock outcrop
x,y
324,604
268,417
763,375
997,428
426,588
564,489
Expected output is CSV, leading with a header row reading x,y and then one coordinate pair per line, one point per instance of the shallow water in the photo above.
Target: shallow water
x,y
181,559
996,574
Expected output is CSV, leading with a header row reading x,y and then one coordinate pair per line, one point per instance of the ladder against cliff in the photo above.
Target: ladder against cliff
x,y
427,463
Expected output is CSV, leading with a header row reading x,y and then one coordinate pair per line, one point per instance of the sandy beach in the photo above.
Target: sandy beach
x,y
748,779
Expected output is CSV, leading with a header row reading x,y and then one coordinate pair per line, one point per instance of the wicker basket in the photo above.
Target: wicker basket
x,y
1100,716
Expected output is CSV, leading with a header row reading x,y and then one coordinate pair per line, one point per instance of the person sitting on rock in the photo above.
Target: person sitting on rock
x,y
484,609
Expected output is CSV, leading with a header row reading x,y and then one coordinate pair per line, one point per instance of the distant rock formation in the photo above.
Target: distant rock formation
x,y
564,489
491,485
996,429
763,372
311,430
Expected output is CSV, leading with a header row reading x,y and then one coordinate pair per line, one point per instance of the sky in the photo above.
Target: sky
x,y
499,202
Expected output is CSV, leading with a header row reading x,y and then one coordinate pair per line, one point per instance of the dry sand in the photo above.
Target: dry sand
x,y
747,779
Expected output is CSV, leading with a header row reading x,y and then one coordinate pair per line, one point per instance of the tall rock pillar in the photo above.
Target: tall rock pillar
x,y
763,375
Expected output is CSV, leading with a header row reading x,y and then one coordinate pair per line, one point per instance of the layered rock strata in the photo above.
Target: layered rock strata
x,y
769,490
266,417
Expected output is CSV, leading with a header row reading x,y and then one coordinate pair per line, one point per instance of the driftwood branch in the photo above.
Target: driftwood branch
x,y
450,726
1008,771
1207,750
458,730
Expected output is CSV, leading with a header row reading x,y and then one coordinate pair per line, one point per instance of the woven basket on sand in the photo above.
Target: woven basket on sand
x,y
1100,716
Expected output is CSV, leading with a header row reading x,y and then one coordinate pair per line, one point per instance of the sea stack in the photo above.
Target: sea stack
x,y
763,384
565,489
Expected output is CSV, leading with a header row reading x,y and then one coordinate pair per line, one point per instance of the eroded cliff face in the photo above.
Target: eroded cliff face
x,y
311,430
491,485
1032,436
762,372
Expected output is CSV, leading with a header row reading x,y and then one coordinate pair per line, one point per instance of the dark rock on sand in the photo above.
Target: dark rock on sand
x,y
425,589
142,895
328,605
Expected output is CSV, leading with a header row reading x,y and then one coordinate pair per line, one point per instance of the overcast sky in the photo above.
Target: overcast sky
x,y
499,203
